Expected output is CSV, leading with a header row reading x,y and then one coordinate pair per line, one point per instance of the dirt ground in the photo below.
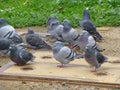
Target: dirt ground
x,y
111,43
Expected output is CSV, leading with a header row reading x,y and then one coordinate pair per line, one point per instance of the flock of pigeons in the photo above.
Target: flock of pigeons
x,y
11,43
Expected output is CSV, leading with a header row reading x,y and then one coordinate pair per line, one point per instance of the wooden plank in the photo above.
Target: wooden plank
x,y
77,72
54,79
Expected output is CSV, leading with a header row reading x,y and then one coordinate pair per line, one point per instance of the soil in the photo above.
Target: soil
x,y
111,44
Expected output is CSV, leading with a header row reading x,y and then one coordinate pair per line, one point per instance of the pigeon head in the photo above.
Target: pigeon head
x,y
3,22
54,23
67,25
97,36
58,43
50,19
57,46
86,14
85,33
30,31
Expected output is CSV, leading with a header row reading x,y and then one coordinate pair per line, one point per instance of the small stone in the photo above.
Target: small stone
x,y
50,84
63,84
23,82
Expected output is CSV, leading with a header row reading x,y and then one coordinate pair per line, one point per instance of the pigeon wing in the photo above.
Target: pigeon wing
x,y
67,53
25,55
32,39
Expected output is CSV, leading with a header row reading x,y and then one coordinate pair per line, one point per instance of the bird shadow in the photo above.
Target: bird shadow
x,y
27,68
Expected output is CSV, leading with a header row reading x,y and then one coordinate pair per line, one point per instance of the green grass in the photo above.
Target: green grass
x,y
21,13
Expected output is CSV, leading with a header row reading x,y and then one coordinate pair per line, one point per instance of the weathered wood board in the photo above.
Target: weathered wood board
x,y
45,69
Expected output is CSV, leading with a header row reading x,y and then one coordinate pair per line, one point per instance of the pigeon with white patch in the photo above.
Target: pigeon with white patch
x,y
20,55
87,24
8,31
35,41
64,54
69,34
55,27
94,58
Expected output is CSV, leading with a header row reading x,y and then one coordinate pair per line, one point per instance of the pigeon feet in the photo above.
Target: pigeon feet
x,y
101,50
20,64
2,56
70,46
93,69
60,66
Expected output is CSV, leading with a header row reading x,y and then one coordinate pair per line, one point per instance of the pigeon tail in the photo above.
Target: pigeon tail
x,y
97,36
45,45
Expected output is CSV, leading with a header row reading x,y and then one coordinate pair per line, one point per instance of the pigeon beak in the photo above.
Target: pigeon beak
x,y
32,60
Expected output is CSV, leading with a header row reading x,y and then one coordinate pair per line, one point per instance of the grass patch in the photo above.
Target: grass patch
x,y
21,13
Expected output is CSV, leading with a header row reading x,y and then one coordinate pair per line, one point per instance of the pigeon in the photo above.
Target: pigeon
x,y
94,58
20,55
8,31
35,41
55,28
87,24
64,54
84,39
69,34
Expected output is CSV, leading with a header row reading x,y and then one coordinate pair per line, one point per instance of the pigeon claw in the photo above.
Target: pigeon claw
x,y
70,46
2,56
60,66
93,69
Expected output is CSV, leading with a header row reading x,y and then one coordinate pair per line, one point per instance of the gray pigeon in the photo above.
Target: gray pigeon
x,y
35,41
69,34
8,31
86,24
94,58
55,27
84,39
63,54
20,55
